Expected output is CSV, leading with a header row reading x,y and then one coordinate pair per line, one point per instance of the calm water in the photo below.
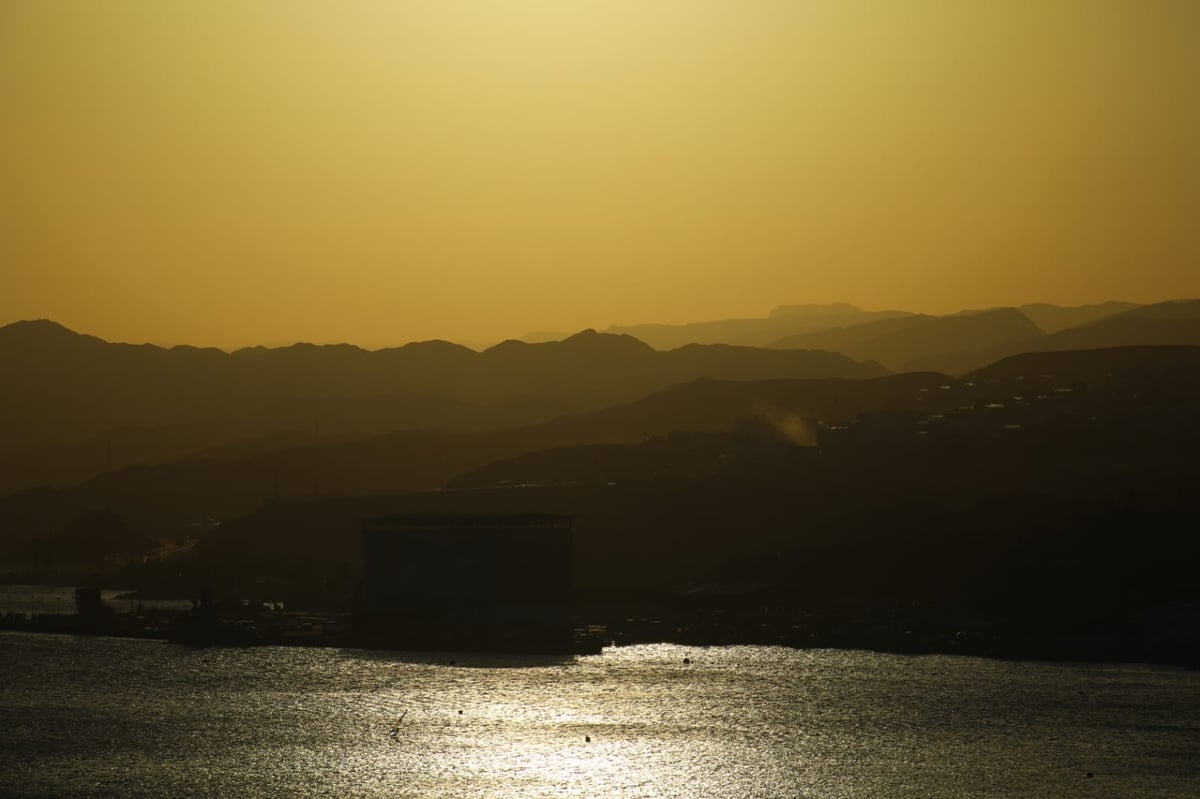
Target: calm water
x,y
112,717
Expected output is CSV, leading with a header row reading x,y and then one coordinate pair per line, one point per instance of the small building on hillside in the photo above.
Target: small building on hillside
x,y
498,582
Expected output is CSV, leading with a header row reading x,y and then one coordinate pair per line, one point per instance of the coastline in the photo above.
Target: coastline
x,y
1067,650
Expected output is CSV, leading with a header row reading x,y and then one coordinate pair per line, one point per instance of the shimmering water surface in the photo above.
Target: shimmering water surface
x,y
112,717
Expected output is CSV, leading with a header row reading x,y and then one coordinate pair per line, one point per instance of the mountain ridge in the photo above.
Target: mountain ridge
x,y
64,388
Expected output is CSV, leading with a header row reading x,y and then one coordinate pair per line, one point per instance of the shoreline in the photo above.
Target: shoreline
x,y
1181,659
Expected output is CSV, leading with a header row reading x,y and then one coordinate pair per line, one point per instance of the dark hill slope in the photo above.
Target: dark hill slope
x,y
840,339
717,405
754,332
920,520
1053,318
1096,365
1160,324
921,517
952,344
173,494
71,402
964,342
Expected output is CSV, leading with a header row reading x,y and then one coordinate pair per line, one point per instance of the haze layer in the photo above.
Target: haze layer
x,y
228,174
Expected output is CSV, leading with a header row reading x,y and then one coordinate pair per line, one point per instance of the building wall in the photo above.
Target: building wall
x,y
466,566
487,585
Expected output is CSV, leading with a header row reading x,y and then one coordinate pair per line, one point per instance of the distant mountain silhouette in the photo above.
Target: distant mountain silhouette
x,y
950,344
1163,323
786,325
73,402
1053,318
754,332
1068,366
966,341
1170,309
541,336
840,339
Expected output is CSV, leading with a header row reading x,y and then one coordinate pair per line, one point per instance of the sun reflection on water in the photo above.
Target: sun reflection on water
x,y
158,721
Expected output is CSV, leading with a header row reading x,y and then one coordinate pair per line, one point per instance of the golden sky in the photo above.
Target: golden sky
x,y
226,173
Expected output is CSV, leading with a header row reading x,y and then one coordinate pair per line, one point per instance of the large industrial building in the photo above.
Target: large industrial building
x,y
467,582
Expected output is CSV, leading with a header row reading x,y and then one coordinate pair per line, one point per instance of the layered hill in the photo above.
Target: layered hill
x,y
1163,323
1053,318
1082,495
755,332
75,405
925,483
962,342
943,343
170,495
1163,364
835,324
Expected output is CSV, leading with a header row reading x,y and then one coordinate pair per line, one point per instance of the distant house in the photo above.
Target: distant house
x,y
467,582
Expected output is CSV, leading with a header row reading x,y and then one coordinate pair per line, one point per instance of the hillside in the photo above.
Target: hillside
x,y
1069,473
1164,363
1053,318
947,497
950,344
73,405
754,332
178,493
966,341
1159,324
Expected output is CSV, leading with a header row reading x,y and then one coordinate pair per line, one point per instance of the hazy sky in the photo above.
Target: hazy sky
x,y
226,173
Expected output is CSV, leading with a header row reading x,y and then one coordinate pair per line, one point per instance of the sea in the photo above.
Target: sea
x,y
110,717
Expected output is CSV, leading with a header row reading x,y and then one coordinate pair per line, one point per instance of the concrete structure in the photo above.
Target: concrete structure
x,y
467,582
